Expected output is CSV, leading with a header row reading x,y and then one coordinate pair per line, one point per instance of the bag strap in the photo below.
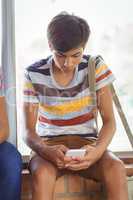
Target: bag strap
x,y
92,82
122,115
91,78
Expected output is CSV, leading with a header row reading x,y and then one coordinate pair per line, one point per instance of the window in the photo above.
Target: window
x,y
111,25
0,32
8,64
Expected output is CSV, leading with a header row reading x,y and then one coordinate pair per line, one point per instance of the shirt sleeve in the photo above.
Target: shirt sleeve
x,y
29,93
103,73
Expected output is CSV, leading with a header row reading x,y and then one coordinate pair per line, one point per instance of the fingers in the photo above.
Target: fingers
x,y
61,152
79,166
63,148
67,159
60,155
60,164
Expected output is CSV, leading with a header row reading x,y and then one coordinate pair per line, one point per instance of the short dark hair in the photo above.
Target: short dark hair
x,y
67,31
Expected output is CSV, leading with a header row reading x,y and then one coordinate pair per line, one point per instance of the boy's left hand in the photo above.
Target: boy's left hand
x,y
78,163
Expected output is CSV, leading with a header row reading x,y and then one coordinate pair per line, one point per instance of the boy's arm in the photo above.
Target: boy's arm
x,y
30,136
53,153
94,153
4,126
105,106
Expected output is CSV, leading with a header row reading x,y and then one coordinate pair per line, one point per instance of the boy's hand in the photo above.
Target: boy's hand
x,y
56,154
78,163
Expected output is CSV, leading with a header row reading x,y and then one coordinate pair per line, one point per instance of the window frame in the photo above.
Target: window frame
x,y
9,66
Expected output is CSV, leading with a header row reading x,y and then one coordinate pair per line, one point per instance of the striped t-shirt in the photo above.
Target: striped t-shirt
x,y
64,110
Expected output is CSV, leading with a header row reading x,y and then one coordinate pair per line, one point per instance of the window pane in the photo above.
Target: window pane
x,y
0,31
1,93
111,25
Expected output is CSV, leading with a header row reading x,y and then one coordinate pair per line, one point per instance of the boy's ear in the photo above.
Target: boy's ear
x,y
50,45
83,47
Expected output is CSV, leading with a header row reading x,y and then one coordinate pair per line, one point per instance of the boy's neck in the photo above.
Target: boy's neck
x,y
60,71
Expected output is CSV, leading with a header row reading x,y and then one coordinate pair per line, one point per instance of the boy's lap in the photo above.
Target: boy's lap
x,y
97,171
71,141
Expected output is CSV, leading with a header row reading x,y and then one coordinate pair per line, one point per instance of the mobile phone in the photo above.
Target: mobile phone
x,y
76,152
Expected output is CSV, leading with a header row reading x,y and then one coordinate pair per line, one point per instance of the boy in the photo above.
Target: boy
x,y
59,113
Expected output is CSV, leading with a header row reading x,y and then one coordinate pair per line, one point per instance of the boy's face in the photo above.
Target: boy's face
x,y
67,61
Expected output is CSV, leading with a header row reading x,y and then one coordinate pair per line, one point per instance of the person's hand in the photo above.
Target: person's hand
x,y
79,163
68,160
56,154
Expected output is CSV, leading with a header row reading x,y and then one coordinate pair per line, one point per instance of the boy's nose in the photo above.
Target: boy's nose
x,y
68,62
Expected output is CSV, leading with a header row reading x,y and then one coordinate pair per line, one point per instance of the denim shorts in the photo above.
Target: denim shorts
x,y
70,141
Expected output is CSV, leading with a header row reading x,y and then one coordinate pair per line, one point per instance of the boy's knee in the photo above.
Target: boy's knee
x,y
118,166
110,163
115,167
43,172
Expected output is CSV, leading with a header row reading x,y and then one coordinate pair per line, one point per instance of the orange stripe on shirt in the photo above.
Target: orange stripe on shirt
x,y
103,76
77,120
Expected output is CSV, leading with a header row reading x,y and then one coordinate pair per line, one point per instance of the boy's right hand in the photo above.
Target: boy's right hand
x,y
56,154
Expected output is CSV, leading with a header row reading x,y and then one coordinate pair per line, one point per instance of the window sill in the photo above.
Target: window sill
x,y
126,156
